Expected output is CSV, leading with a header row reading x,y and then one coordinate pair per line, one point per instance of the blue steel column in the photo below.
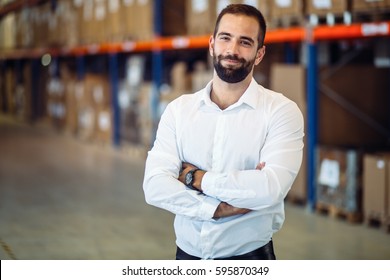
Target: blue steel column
x,y
114,80
35,92
80,61
312,122
157,68
289,55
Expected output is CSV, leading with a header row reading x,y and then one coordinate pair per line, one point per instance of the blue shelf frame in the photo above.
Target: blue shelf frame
x,y
312,122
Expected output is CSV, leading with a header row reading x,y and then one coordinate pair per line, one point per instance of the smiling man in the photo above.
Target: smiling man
x,y
226,156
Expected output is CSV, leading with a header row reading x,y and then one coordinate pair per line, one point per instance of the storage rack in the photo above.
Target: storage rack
x,y
308,35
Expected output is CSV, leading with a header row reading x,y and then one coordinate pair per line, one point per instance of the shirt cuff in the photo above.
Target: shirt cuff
x,y
208,207
210,182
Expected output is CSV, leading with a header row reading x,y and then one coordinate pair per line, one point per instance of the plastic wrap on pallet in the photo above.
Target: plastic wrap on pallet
x,y
339,179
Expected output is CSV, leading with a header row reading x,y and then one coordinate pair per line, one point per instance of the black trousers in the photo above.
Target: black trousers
x,y
263,253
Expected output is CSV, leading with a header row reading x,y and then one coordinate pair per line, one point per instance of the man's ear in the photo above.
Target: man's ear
x,y
260,55
211,45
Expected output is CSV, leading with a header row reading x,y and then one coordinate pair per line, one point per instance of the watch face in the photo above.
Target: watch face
x,y
189,178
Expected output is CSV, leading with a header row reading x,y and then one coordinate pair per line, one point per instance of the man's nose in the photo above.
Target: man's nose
x,y
233,47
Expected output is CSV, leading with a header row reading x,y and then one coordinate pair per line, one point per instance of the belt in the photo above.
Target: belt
x,y
265,252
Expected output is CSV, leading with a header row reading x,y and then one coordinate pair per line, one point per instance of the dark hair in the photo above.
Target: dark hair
x,y
250,11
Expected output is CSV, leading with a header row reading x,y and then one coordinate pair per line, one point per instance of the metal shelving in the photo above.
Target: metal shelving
x,y
296,34
308,35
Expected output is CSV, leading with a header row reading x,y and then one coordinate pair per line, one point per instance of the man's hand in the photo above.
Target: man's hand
x,y
225,210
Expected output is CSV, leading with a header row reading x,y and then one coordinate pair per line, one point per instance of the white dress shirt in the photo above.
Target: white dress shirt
x,y
263,126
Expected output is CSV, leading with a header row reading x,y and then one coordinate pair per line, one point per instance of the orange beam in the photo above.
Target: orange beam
x,y
293,34
362,30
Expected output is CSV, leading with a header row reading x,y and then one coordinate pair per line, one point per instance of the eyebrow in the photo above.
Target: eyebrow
x,y
241,37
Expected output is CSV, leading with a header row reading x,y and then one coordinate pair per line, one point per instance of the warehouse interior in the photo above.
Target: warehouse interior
x,y
84,82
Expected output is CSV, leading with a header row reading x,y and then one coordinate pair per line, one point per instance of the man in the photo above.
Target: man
x,y
225,157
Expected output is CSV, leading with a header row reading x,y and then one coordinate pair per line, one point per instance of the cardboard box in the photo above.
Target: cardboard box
x,y
97,90
376,186
174,18
280,8
323,7
263,5
56,102
8,31
128,12
103,126
24,32
290,80
339,173
114,21
144,21
370,5
92,22
200,16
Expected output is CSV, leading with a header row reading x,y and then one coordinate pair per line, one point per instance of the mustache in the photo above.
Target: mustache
x,y
231,57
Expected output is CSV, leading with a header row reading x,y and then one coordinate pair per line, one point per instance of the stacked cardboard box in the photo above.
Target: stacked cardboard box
x,y
8,31
88,108
376,188
56,102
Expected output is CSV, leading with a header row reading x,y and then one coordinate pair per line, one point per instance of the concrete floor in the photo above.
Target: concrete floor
x,y
61,198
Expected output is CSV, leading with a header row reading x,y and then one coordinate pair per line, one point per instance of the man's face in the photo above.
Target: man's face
x,y
234,48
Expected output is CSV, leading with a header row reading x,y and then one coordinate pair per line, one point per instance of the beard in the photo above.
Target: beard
x,y
231,74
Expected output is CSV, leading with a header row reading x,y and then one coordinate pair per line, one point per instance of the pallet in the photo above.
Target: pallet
x,y
337,212
373,220
296,200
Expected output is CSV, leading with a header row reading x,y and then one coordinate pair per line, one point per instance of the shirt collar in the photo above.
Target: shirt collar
x,y
250,96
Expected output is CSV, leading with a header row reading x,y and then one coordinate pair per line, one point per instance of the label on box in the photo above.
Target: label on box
x,y
143,2
199,6
380,164
104,121
78,3
123,99
322,4
284,3
98,94
100,11
128,3
113,6
329,173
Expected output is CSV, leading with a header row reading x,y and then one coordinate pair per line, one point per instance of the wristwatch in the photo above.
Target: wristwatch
x,y
189,178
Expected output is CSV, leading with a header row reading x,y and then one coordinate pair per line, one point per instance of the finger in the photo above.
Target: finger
x,y
260,166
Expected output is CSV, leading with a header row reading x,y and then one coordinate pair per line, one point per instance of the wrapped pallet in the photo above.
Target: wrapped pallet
x,y
338,188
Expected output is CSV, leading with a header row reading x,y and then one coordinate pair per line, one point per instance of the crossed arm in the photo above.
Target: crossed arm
x,y
224,209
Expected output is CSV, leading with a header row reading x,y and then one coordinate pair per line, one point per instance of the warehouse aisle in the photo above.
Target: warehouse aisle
x,y
61,198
